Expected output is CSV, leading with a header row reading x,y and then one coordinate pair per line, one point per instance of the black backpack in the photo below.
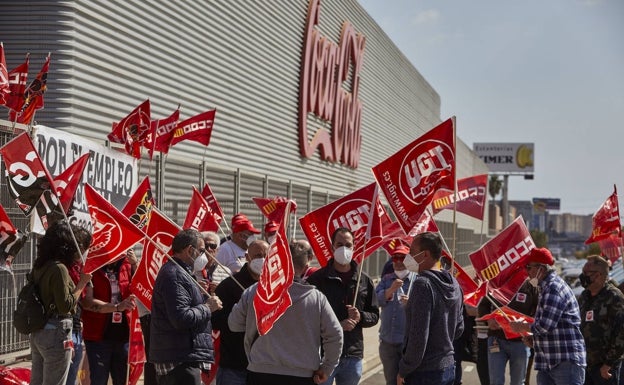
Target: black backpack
x,y
30,314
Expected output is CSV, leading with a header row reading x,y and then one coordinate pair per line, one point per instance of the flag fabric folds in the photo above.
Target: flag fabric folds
x,y
200,216
161,133
272,298
410,177
606,220
273,209
27,177
351,211
11,239
503,316
67,182
17,85
611,247
139,207
156,247
5,90
212,200
197,128
33,97
471,193
136,348
113,233
133,130
499,261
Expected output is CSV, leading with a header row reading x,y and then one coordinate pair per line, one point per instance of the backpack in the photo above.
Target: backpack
x,y
30,314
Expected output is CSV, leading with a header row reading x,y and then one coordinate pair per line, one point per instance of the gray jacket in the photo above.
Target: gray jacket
x,y
292,346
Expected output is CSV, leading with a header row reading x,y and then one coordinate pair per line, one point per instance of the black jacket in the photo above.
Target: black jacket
x,y
232,347
340,295
180,322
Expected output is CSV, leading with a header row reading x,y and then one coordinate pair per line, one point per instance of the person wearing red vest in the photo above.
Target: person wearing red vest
x,y
105,323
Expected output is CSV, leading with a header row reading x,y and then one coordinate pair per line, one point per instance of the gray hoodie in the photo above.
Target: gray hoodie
x,y
292,346
433,321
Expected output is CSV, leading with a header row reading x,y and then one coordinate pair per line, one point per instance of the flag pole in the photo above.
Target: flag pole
x,y
366,238
455,189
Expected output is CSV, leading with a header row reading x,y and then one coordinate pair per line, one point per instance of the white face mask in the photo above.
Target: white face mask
x,y
410,263
200,263
256,265
401,273
534,281
343,255
249,240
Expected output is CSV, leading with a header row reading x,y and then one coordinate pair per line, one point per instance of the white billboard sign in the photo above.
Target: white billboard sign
x,y
506,157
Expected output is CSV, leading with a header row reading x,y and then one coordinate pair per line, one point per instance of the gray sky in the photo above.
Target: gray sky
x,y
548,72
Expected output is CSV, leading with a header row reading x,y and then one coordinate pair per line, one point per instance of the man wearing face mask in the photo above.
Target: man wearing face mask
x,y
270,231
602,317
433,316
338,281
211,273
231,254
181,333
233,364
392,292
556,335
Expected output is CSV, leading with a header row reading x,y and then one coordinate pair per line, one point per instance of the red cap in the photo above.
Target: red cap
x,y
541,255
243,224
238,217
401,249
271,227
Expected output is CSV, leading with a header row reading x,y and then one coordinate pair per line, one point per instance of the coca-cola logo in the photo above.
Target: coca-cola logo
x,y
328,69
425,164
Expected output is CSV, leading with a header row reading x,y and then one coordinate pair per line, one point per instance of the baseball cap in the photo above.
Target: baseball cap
x,y
540,255
271,227
243,224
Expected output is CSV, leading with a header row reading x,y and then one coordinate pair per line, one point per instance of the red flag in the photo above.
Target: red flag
x,y
11,239
352,211
200,216
410,177
113,233
471,193
212,200
606,220
17,86
503,316
161,230
33,97
424,224
197,128
272,298
139,206
467,284
133,129
6,226
498,260
27,177
67,182
136,348
473,298
5,90
611,247
274,208
208,377
161,132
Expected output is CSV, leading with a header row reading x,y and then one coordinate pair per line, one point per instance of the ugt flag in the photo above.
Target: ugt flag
x,y
409,178
200,215
606,220
351,211
498,260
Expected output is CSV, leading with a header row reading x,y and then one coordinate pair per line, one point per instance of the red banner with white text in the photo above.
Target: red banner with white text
x,y
471,193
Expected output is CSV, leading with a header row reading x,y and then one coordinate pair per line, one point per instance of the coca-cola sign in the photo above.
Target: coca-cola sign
x,y
327,70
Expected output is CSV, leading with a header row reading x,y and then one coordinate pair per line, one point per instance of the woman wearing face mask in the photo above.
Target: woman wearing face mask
x,y
392,293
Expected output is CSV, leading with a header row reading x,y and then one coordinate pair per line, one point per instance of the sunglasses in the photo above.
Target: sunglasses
x,y
211,246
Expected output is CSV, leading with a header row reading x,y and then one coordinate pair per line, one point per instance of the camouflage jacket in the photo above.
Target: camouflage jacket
x,y
602,317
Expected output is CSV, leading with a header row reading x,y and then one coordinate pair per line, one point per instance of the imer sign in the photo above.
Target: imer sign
x,y
506,157
327,68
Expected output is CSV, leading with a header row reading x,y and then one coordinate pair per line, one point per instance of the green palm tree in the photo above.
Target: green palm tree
x,y
495,186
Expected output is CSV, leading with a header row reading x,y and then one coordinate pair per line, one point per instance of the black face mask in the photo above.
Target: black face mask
x,y
585,280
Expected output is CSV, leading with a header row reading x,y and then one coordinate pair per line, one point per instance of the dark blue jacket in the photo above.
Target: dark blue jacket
x,y
180,324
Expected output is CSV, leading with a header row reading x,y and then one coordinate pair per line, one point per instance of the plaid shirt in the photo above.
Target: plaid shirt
x,y
556,332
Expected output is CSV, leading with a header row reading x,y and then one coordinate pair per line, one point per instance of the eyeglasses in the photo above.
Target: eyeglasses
x,y
211,246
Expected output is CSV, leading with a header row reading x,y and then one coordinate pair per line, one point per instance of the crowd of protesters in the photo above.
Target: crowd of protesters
x,y
207,289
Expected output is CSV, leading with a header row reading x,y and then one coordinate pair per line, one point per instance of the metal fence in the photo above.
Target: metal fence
x,y
171,179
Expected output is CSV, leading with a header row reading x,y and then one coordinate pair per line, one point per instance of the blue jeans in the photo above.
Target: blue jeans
x,y
348,372
390,355
227,376
51,352
107,358
445,376
565,373
514,352
76,359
